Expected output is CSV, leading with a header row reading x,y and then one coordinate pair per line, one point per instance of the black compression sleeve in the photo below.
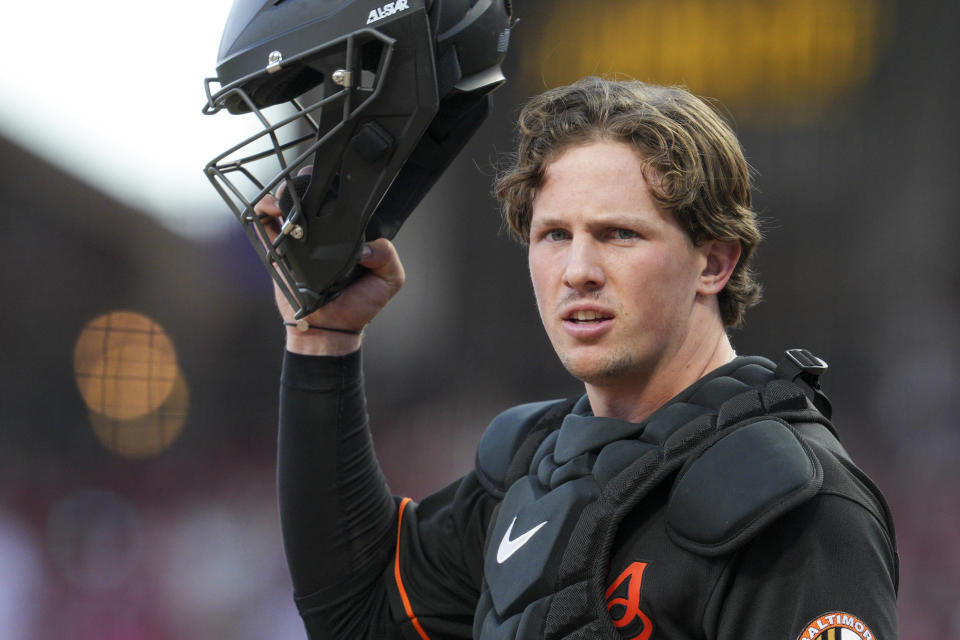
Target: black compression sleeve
x,y
336,511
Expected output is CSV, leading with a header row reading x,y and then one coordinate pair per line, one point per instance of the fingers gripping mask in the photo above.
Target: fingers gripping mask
x,y
360,108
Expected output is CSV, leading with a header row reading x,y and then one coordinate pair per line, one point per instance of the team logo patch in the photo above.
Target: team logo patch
x,y
836,626
623,603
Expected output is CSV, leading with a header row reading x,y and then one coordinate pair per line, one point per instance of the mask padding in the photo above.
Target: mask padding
x,y
300,185
372,142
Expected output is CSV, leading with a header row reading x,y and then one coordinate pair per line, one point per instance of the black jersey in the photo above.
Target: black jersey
x,y
366,565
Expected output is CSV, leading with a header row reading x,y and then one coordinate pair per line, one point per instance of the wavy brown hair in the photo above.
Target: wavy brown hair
x,y
698,168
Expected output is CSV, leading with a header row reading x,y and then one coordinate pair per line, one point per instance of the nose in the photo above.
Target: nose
x,y
584,269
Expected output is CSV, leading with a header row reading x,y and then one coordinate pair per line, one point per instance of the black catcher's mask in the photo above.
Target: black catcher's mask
x,y
370,103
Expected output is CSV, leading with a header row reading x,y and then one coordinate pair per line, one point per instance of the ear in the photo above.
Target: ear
x,y
721,258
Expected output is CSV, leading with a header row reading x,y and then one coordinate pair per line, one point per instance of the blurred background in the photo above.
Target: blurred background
x,y
141,349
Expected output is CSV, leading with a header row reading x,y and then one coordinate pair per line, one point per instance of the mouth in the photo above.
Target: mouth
x,y
587,324
587,316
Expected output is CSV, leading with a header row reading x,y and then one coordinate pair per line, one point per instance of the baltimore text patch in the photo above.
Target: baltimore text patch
x,y
836,626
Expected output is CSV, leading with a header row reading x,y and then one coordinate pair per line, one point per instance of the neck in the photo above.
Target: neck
x,y
634,398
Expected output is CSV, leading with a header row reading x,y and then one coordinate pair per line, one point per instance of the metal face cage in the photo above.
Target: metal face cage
x,y
353,132
337,122
290,142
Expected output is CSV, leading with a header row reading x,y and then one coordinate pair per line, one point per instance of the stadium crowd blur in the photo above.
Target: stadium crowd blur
x,y
139,378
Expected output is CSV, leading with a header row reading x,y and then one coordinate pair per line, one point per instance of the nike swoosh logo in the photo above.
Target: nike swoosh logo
x,y
509,547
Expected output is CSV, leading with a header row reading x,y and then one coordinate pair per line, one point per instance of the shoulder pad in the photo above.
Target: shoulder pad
x,y
503,438
741,482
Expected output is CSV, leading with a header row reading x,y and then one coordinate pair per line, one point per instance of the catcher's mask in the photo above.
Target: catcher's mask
x,y
362,104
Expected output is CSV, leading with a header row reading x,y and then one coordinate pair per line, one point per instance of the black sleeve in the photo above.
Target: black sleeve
x,y
829,562
341,526
434,579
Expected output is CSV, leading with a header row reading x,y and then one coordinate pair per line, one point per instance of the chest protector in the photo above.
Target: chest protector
x,y
566,480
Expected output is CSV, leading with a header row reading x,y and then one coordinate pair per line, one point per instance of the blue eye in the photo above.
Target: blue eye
x,y
555,235
624,234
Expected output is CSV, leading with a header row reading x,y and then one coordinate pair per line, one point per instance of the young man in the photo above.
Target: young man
x,y
690,493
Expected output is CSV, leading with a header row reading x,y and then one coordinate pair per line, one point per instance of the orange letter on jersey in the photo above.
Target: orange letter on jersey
x,y
631,604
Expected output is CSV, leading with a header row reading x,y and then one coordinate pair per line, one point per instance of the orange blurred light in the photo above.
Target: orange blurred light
x,y
148,434
789,59
127,372
125,365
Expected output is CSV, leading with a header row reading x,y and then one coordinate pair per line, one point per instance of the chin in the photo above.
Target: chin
x,y
600,371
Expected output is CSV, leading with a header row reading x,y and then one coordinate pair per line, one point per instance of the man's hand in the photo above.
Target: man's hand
x,y
353,309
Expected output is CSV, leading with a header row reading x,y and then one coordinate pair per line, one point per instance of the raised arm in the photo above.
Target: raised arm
x,y
338,517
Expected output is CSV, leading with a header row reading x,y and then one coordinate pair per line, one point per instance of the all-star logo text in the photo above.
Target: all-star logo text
x,y
387,10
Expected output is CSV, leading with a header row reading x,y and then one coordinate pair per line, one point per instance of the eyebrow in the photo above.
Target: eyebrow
x,y
599,220
536,222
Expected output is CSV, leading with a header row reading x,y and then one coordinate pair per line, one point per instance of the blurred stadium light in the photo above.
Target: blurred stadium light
x,y
766,61
127,372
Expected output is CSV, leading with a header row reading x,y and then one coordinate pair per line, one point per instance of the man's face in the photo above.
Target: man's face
x,y
615,276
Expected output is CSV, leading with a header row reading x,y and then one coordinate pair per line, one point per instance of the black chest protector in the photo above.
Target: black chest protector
x,y
567,479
